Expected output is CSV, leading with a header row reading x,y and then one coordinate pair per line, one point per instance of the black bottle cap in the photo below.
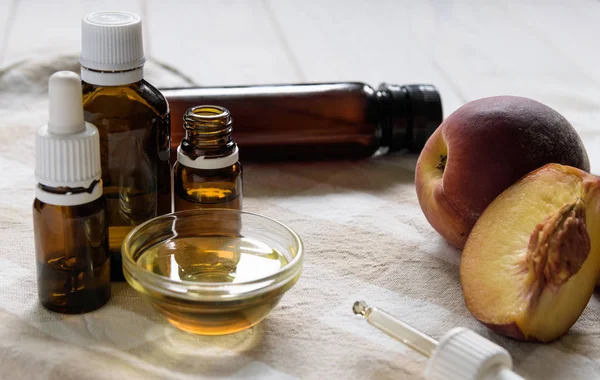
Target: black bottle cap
x,y
415,112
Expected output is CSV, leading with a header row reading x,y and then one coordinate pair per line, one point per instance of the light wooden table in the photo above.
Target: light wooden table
x,y
469,49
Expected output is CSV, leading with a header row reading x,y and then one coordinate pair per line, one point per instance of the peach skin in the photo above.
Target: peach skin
x,y
480,150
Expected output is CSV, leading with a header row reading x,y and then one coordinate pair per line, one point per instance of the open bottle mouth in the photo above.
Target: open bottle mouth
x,y
208,131
206,223
208,113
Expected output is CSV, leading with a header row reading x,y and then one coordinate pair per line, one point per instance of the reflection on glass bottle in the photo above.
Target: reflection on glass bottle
x,y
137,189
95,230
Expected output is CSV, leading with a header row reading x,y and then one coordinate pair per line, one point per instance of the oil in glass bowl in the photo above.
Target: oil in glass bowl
x,y
212,259
212,271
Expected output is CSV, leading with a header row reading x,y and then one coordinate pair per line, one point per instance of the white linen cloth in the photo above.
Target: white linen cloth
x,y
365,239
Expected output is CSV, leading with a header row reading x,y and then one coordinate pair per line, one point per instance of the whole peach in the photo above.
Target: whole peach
x,y
480,150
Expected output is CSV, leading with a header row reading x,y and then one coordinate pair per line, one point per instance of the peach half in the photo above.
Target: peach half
x,y
531,262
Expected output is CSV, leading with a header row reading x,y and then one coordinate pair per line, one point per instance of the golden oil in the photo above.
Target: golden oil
x,y
132,117
73,267
207,173
195,188
215,260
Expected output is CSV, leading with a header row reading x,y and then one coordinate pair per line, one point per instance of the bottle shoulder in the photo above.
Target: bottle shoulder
x,y
141,92
80,210
182,170
153,96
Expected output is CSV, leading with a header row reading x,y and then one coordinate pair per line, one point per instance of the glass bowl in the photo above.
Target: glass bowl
x,y
212,271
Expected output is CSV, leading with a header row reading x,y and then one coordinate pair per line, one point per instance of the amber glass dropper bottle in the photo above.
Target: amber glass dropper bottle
x,y
208,172
318,121
133,120
71,243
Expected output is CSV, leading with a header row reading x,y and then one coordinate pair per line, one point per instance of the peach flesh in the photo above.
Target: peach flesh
x,y
530,264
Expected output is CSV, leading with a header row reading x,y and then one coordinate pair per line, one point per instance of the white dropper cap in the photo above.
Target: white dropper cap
x,y
461,354
67,149
112,48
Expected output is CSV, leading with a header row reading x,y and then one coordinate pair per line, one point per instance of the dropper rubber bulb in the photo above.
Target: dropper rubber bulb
x,y
460,354
65,104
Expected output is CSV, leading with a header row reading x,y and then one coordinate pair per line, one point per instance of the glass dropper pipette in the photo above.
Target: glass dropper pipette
x,y
460,354
411,337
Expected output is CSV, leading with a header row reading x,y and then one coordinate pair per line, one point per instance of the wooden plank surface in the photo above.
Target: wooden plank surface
x,y
467,49
50,27
6,21
570,32
360,40
220,42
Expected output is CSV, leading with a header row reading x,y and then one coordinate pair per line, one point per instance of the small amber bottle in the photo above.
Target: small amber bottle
x,y
207,172
69,220
133,120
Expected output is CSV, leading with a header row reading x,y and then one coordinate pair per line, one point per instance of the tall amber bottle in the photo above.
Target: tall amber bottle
x,y
318,121
207,172
71,243
133,119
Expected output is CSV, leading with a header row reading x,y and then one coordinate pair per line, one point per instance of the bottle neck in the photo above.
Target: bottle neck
x,y
207,143
69,196
395,122
112,78
409,115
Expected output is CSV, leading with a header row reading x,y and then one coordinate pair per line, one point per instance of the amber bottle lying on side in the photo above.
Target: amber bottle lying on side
x,y
317,121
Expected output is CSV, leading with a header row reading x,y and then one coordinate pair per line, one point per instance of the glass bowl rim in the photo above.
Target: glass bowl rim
x,y
151,279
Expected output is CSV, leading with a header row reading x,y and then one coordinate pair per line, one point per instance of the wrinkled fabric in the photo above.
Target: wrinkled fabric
x,y
365,239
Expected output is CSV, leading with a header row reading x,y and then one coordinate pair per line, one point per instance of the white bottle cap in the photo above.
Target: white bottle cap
x,y
67,149
463,354
112,48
